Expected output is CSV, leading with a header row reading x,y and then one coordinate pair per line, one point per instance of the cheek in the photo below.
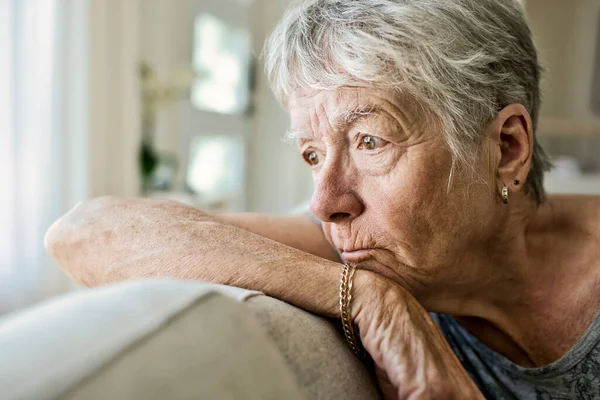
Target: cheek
x,y
411,202
432,221
327,231
392,213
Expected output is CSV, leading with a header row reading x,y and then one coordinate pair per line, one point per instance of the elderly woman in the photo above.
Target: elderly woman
x,y
418,120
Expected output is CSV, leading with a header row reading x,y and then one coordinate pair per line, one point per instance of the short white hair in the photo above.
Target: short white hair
x,y
461,60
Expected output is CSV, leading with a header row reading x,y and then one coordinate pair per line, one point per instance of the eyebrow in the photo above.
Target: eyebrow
x,y
342,121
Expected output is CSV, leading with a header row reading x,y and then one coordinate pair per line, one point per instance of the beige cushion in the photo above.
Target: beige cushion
x,y
162,339
315,350
211,350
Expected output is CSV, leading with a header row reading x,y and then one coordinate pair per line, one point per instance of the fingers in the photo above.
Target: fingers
x,y
388,390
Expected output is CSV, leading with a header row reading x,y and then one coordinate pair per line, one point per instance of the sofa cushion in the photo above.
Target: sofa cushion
x,y
211,350
315,349
157,339
50,347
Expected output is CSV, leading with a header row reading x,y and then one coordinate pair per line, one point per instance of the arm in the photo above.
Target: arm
x,y
297,231
110,239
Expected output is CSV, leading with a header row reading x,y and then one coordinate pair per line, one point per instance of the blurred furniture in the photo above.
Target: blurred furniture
x,y
584,184
218,120
165,339
574,145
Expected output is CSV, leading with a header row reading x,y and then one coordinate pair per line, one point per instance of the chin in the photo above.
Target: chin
x,y
368,260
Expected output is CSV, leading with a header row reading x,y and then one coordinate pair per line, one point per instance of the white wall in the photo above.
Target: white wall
x,y
114,123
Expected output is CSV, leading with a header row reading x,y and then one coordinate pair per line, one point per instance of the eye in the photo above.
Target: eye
x,y
370,142
311,157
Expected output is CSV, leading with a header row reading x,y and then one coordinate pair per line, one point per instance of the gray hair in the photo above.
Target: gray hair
x,y
461,60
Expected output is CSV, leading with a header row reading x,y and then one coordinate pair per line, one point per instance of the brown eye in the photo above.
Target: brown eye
x,y
369,142
311,157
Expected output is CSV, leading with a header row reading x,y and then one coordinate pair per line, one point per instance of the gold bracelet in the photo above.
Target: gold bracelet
x,y
352,337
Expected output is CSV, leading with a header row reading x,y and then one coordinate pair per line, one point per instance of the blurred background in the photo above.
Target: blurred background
x,y
167,99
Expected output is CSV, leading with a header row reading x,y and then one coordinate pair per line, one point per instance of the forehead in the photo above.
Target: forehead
x,y
307,105
336,99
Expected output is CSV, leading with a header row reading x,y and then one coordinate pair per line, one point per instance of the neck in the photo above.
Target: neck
x,y
518,297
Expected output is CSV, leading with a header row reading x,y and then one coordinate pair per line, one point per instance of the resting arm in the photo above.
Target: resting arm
x,y
297,231
110,239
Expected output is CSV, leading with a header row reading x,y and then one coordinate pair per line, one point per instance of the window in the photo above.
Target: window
x,y
222,61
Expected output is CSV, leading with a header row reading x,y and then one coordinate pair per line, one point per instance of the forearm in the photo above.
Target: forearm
x,y
297,231
101,243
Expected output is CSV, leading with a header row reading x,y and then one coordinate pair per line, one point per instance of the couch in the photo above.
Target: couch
x,y
168,339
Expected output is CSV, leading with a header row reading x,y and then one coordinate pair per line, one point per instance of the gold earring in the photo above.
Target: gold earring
x,y
505,194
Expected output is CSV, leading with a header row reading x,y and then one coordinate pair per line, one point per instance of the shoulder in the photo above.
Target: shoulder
x,y
569,217
582,208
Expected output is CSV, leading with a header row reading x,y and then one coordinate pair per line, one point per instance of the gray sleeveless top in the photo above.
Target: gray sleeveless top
x,y
574,376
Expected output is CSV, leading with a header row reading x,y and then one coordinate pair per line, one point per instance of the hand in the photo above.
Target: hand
x,y
411,356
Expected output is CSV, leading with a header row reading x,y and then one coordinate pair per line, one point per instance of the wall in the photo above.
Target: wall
x,y
566,34
113,107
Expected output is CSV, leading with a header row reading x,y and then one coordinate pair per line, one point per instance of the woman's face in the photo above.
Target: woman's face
x,y
381,175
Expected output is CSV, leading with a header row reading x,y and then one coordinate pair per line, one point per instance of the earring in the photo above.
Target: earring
x,y
505,194
517,182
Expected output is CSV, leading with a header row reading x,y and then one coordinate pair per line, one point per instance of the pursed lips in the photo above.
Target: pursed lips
x,y
355,255
361,256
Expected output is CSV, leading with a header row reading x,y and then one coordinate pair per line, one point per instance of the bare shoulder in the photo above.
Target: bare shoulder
x,y
571,224
580,220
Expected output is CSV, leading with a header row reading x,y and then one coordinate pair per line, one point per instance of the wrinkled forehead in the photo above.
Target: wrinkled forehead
x,y
335,106
347,96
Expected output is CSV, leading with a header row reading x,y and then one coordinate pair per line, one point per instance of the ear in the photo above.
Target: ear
x,y
512,133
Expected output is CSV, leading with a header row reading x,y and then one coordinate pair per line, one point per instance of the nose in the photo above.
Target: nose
x,y
335,198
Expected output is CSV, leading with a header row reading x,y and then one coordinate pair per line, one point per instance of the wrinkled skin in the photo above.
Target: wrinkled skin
x,y
394,202
381,169
411,357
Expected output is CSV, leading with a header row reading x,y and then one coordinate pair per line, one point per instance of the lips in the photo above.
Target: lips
x,y
364,259
355,256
